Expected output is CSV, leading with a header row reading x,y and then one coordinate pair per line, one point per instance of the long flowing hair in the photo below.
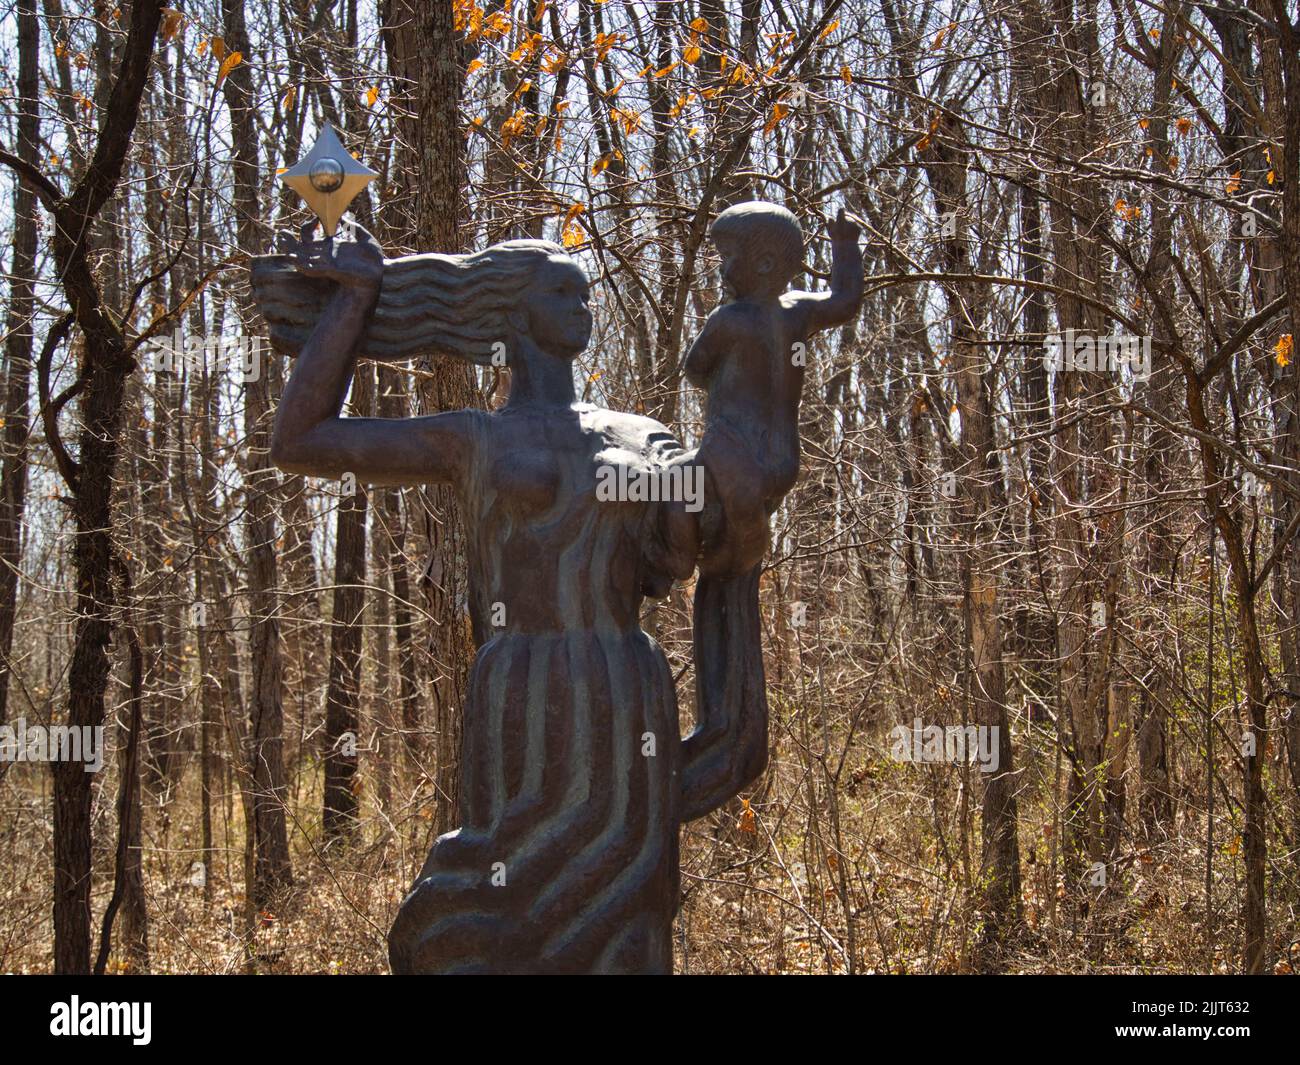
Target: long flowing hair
x,y
428,304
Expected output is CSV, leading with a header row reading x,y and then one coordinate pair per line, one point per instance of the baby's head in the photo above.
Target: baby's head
x,y
761,247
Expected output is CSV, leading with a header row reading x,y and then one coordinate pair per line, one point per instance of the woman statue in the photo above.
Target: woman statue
x,y
574,777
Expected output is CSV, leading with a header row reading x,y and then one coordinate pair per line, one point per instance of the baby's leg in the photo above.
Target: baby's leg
x,y
738,482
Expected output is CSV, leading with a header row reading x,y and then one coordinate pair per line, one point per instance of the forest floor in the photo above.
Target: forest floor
x,y
884,879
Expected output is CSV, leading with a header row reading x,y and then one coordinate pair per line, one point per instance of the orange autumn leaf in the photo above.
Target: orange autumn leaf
x,y
526,48
748,820
604,42
228,64
1184,126
513,127
1282,350
924,142
630,121
1233,183
603,162
496,25
741,74
473,26
171,23
576,208
573,235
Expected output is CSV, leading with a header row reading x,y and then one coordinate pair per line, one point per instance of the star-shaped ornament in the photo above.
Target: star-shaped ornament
x,y
328,178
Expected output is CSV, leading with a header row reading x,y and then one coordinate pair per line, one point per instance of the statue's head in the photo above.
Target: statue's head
x,y
761,246
551,310
475,307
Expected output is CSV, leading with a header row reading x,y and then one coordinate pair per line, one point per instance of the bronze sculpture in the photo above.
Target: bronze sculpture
x,y
574,777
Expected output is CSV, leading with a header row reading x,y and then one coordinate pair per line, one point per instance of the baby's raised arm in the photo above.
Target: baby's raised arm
x,y
823,310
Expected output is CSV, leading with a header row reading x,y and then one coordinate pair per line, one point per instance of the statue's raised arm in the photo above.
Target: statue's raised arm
x,y
322,302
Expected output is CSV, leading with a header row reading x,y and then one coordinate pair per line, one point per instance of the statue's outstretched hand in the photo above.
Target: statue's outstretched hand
x,y
358,263
843,228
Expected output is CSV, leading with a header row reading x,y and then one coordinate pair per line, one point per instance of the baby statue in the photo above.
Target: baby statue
x,y
750,357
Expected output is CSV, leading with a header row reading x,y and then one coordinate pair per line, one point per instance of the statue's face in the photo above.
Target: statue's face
x,y
559,320
744,273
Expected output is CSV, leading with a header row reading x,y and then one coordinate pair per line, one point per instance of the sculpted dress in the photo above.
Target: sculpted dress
x,y
567,855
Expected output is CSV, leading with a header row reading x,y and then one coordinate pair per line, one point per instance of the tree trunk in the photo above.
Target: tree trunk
x,y
266,713
341,739
424,50
18,347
